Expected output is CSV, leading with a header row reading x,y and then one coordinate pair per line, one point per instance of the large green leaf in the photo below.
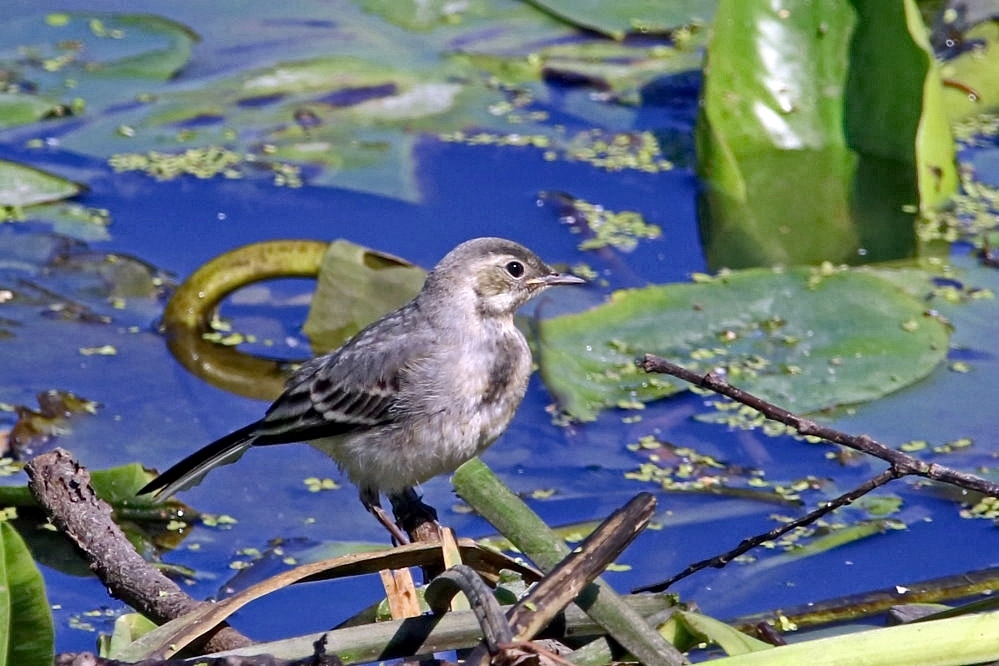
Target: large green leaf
x,y
965,640
813,144
26,632
800,338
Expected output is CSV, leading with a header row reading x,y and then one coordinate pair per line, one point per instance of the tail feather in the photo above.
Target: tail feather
x,y
192,469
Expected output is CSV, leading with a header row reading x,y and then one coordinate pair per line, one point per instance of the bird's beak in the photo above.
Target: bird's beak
x,y
553,279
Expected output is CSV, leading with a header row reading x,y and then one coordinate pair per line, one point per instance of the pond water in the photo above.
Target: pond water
x,y
153,411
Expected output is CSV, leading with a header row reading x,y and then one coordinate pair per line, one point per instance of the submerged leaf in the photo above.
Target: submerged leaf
x,y
56,411
801,339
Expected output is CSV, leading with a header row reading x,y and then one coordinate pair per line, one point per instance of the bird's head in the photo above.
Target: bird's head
x,y
499,274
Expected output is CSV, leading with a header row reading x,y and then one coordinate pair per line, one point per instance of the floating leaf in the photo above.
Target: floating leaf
x,y
804,340
121,45
22,185
26,632
356,286
19,109
166,46
618,67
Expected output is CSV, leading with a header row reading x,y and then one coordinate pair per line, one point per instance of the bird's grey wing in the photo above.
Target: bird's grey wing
x,y
353,389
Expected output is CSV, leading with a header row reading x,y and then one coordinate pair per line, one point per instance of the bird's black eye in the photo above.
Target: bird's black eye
x,y
515,268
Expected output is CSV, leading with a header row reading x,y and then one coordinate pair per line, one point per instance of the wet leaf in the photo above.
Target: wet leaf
x,y
22,185
26,631
731,640
356,286
805,341
807,102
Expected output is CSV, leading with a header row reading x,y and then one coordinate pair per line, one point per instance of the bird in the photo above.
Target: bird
x,y
413,395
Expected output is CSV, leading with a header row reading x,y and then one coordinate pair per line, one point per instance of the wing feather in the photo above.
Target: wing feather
x,y
352,389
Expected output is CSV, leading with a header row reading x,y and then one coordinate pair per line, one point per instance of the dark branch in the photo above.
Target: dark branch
x,y
62,486
752,542
901,464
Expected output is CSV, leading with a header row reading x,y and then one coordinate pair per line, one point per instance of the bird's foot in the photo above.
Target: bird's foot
x,y
418,519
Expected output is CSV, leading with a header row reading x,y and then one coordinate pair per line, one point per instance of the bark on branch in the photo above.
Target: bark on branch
x,y
62,486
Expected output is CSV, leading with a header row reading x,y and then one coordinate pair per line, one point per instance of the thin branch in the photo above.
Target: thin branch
x,y
745,545
901,464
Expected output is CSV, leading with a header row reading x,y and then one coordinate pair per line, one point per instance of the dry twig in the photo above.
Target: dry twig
x,y
900,463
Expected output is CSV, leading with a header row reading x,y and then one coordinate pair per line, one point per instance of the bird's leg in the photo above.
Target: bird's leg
x,y
371,502
419,520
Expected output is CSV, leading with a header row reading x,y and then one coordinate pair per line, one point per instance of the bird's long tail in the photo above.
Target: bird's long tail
x,y
189,471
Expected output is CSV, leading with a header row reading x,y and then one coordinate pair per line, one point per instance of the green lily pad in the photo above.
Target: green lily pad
x,y
22,185
26,631
18,109
803,339
122,45
356,286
